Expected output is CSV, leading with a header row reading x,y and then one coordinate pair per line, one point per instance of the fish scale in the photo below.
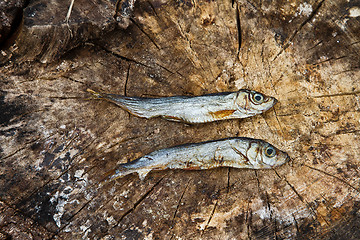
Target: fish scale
x,y
197,109
238,152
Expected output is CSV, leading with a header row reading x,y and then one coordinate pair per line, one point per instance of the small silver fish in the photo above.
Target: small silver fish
x,y
198,109
236,152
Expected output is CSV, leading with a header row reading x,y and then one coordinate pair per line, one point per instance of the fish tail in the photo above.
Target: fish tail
x,y
115,174
124,169
95,94
133,105
107,177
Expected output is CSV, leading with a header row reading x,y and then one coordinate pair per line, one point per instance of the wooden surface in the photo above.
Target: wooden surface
x,y
56,145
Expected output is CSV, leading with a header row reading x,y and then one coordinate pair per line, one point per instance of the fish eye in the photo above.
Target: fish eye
x,y
270,151
258,98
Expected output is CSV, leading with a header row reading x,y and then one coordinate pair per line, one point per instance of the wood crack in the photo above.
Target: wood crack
x,y
210,217
328,60
137,203
268,205
337,178
178,205
152,8
228,180
146,34
22,148
24,215
73,80
166,69
248,220
257,180
123,183
122,57
297,194
182,32
277,119
296,224
355,93
72,217
317,44
347,70
127,80
329,207
308,19
238,26
24,199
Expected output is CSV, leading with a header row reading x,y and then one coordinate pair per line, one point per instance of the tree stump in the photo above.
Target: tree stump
x,y
56,144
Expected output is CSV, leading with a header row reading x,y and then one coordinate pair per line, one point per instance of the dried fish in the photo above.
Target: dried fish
x,y
236,152
198,109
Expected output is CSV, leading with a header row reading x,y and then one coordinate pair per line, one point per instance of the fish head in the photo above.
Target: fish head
x,y
253,102
271,156
264,155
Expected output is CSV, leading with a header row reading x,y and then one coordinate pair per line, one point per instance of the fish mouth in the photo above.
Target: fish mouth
x,y
275,101
287,159
270,104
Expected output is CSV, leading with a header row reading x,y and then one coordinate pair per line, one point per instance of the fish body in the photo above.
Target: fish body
x,y
231,152
198,109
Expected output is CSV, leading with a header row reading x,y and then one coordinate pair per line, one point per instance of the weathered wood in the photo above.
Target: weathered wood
x,y
56,145
10,16
51,28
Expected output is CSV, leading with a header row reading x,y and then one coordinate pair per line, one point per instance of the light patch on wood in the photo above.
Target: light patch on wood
x,y
304,9
219,219
222,113
354,12
60,198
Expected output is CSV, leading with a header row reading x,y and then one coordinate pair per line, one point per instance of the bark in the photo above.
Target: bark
x,y
56,144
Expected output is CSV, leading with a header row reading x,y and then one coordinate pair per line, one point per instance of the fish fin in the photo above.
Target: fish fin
x,y
172,118
222,114
142,173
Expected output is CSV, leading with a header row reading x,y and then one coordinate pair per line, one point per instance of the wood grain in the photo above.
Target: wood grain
x,y
56,144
